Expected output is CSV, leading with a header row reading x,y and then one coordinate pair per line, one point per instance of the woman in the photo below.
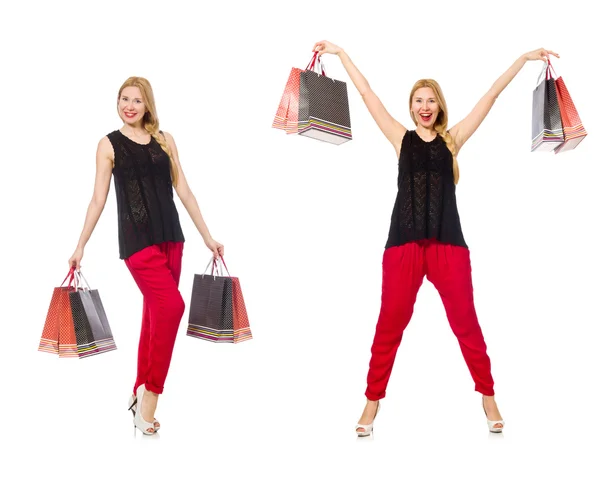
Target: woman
x,y
425,236
146,168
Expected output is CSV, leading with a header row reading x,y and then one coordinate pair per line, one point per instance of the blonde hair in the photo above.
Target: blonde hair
x,y
150,120
441,122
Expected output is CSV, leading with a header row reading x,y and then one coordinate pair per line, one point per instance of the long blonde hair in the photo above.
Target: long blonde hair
x,y
441,122
150,120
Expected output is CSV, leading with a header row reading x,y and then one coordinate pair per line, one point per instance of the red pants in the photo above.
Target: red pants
x,y
156,270
448,267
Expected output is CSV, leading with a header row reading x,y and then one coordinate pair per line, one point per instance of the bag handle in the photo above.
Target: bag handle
x,y
217,266
78,281
223,260
551,67
71,276
546,69
214,263
316,60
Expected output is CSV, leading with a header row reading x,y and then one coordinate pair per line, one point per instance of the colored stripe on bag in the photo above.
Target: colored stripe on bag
x,y
312,121
67,350
243,334
325,130
48,346
200,332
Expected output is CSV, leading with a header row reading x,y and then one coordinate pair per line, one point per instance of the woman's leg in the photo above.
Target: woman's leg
x,y
143,348
449,269
156,271
403,274
402,277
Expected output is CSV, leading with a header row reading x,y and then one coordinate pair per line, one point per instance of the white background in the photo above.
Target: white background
x,y
304,224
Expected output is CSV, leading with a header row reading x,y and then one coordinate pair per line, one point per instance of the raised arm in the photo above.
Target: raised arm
x,y
463,130
104,166
191,204
391,128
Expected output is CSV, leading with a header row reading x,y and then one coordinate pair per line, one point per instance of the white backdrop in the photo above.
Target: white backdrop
x,y
304,224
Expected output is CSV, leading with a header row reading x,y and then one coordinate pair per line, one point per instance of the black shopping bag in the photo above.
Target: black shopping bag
x,y
211,307
546,126
323,111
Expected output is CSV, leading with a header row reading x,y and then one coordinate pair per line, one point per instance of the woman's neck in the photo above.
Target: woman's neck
x,y
426,133
134,130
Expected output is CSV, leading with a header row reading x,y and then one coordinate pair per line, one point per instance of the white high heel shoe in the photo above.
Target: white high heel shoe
x,y
368,428
138,420
492,424
132,406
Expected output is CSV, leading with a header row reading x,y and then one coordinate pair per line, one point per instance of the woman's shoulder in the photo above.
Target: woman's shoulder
x,y
111,137
166,135
106,145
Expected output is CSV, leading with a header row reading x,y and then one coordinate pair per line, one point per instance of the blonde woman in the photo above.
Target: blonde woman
x,y
146,169
425,236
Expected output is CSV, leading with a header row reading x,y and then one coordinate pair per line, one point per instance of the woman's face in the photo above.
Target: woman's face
x,y
131,105
424,107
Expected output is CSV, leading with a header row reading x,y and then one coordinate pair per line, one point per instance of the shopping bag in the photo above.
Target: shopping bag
x,y
217,308
547,129
58,334
286,117
211,307
323,111
572,125
92,331
241,324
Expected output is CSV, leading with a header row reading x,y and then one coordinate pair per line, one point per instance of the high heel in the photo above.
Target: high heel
x,y
132,406
492,424
138,420
368,428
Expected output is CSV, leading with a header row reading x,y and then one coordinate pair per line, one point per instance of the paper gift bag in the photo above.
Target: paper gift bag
x,y
324,112
546,129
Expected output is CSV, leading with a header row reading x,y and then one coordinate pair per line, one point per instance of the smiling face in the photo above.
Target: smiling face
x,y
131,105
424,107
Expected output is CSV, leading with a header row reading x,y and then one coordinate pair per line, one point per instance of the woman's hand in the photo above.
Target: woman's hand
x,y
217,248
540,54
75,260
326,47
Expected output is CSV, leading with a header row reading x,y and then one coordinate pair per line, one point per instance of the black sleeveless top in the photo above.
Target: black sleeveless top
x,y
425,206
146,211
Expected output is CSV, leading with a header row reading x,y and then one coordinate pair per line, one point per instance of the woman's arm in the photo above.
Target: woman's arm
x,y
463,130
104,166
191,204
391,128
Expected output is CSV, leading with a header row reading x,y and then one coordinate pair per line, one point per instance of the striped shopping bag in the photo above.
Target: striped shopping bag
x,y
92,330
572,125
58,334
286,117
324,112
546,126
217,309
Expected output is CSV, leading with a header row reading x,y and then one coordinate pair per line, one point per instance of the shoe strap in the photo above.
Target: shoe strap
x,y
364,426
491,423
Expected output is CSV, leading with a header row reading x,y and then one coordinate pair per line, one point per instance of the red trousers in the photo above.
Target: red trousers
x,y
448,267
156,270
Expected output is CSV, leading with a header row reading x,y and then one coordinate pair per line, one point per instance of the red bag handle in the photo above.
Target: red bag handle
x,y
215,264
223,259
548,68
547,71
313,62
70,274
551,67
